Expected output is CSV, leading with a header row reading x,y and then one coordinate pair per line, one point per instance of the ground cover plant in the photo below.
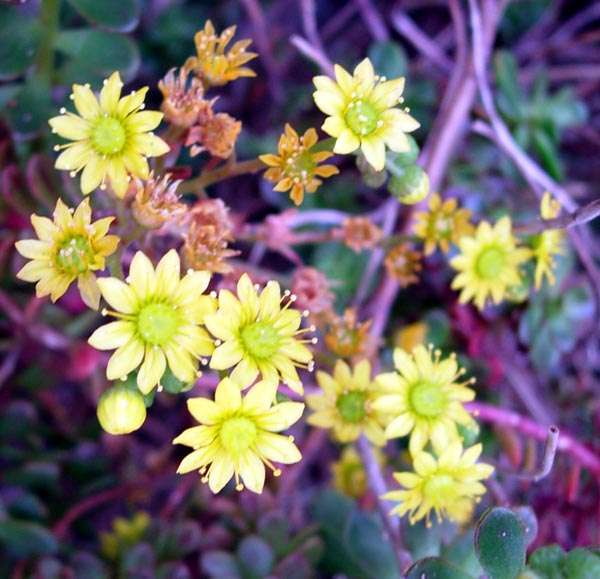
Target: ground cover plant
x,y
298,289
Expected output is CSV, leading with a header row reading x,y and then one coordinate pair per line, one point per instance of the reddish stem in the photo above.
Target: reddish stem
x,y
566,442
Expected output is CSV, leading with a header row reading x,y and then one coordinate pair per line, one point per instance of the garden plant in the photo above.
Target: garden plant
x,y
299,289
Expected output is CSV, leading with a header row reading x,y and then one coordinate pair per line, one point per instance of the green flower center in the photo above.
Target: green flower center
x,y
261,340
427,399
109,136
352,406
440,489
361,118
158,323
490,263
300,165
75,255
237,434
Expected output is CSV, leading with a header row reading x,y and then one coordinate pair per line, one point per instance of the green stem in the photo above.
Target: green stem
x,y
220,174
49,18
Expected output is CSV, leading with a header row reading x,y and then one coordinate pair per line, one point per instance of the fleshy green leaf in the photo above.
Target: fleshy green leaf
x,y
388,58
20,42
255,556
26,539
29,116
581,564
436,568
500,543
549,560
121,15
368,545
220,565
97,51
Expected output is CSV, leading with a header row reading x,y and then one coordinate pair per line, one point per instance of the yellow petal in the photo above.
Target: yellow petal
x,y
85,102
70,126
125,359
346,143
118,295
252,472
227,395
152,368
111,93
93,174
221,472
113,335
204,410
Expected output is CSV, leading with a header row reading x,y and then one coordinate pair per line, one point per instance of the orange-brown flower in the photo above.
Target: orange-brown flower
x,y
156,202
403,264
217,135
213,65
296,168
311,288
183,99
443,224
347,337
358,233
205,243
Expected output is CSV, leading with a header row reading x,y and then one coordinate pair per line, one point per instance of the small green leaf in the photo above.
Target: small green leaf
x,y
29,115
500,543
220,565
549,560
436,568
26,539
581,564
98,51
20,42
121,15
255,556
388,58
368,545
548,153
505,69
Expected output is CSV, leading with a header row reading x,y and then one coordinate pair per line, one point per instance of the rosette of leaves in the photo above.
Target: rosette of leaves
x,y
259,544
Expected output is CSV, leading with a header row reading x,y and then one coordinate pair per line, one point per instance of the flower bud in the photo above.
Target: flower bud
x,y
410,185
121,409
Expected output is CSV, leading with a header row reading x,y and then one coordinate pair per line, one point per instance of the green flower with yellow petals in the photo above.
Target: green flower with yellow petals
x,y
69,248
423,398
159,321
111,137
448,485
256,335
346,404
238,436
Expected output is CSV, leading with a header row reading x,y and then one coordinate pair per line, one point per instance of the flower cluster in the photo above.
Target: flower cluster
x,y
423,399
547,244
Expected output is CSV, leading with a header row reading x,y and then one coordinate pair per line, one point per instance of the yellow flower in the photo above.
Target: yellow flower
x,y
159,321
69,248
346,404
348,473
548,243
424,399
296,168
256,335
443,224
125,534
111,137
237,436
362,113
449,485
488,263
212,65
